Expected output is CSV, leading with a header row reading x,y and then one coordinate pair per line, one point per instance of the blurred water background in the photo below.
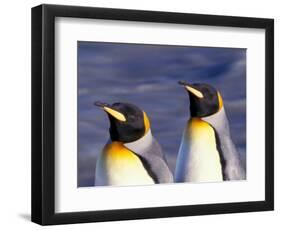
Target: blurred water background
x,y
147,76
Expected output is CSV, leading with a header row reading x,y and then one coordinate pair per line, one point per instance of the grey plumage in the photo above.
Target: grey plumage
x,y
149,149
233,169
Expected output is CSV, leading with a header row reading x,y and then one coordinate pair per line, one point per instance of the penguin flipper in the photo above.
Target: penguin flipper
x,y
232,167
155,163
157,169
150,153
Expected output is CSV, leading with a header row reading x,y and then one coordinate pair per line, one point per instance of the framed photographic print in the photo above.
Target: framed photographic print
x,y
142,114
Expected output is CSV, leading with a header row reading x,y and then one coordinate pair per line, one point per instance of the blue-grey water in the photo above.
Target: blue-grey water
x,y
147,76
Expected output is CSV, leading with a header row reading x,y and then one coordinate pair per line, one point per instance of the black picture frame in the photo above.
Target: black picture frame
x,y
43,114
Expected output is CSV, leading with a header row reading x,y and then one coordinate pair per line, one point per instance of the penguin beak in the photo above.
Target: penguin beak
x,y
191,89
108,109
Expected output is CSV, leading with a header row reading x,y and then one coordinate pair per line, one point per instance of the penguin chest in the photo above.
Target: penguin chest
x,y
203,159
117,165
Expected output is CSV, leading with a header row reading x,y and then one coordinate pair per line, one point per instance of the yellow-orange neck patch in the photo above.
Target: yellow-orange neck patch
x,y
220,101
116,150
146,122
120,166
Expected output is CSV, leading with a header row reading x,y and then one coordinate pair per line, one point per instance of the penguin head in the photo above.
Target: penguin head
x,y
128,123
204,99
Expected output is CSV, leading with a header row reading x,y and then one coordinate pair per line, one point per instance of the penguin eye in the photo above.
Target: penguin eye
x,y
207,93
210,95
131,117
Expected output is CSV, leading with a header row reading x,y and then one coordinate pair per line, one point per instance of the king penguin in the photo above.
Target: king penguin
x,y
207,152
132,156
